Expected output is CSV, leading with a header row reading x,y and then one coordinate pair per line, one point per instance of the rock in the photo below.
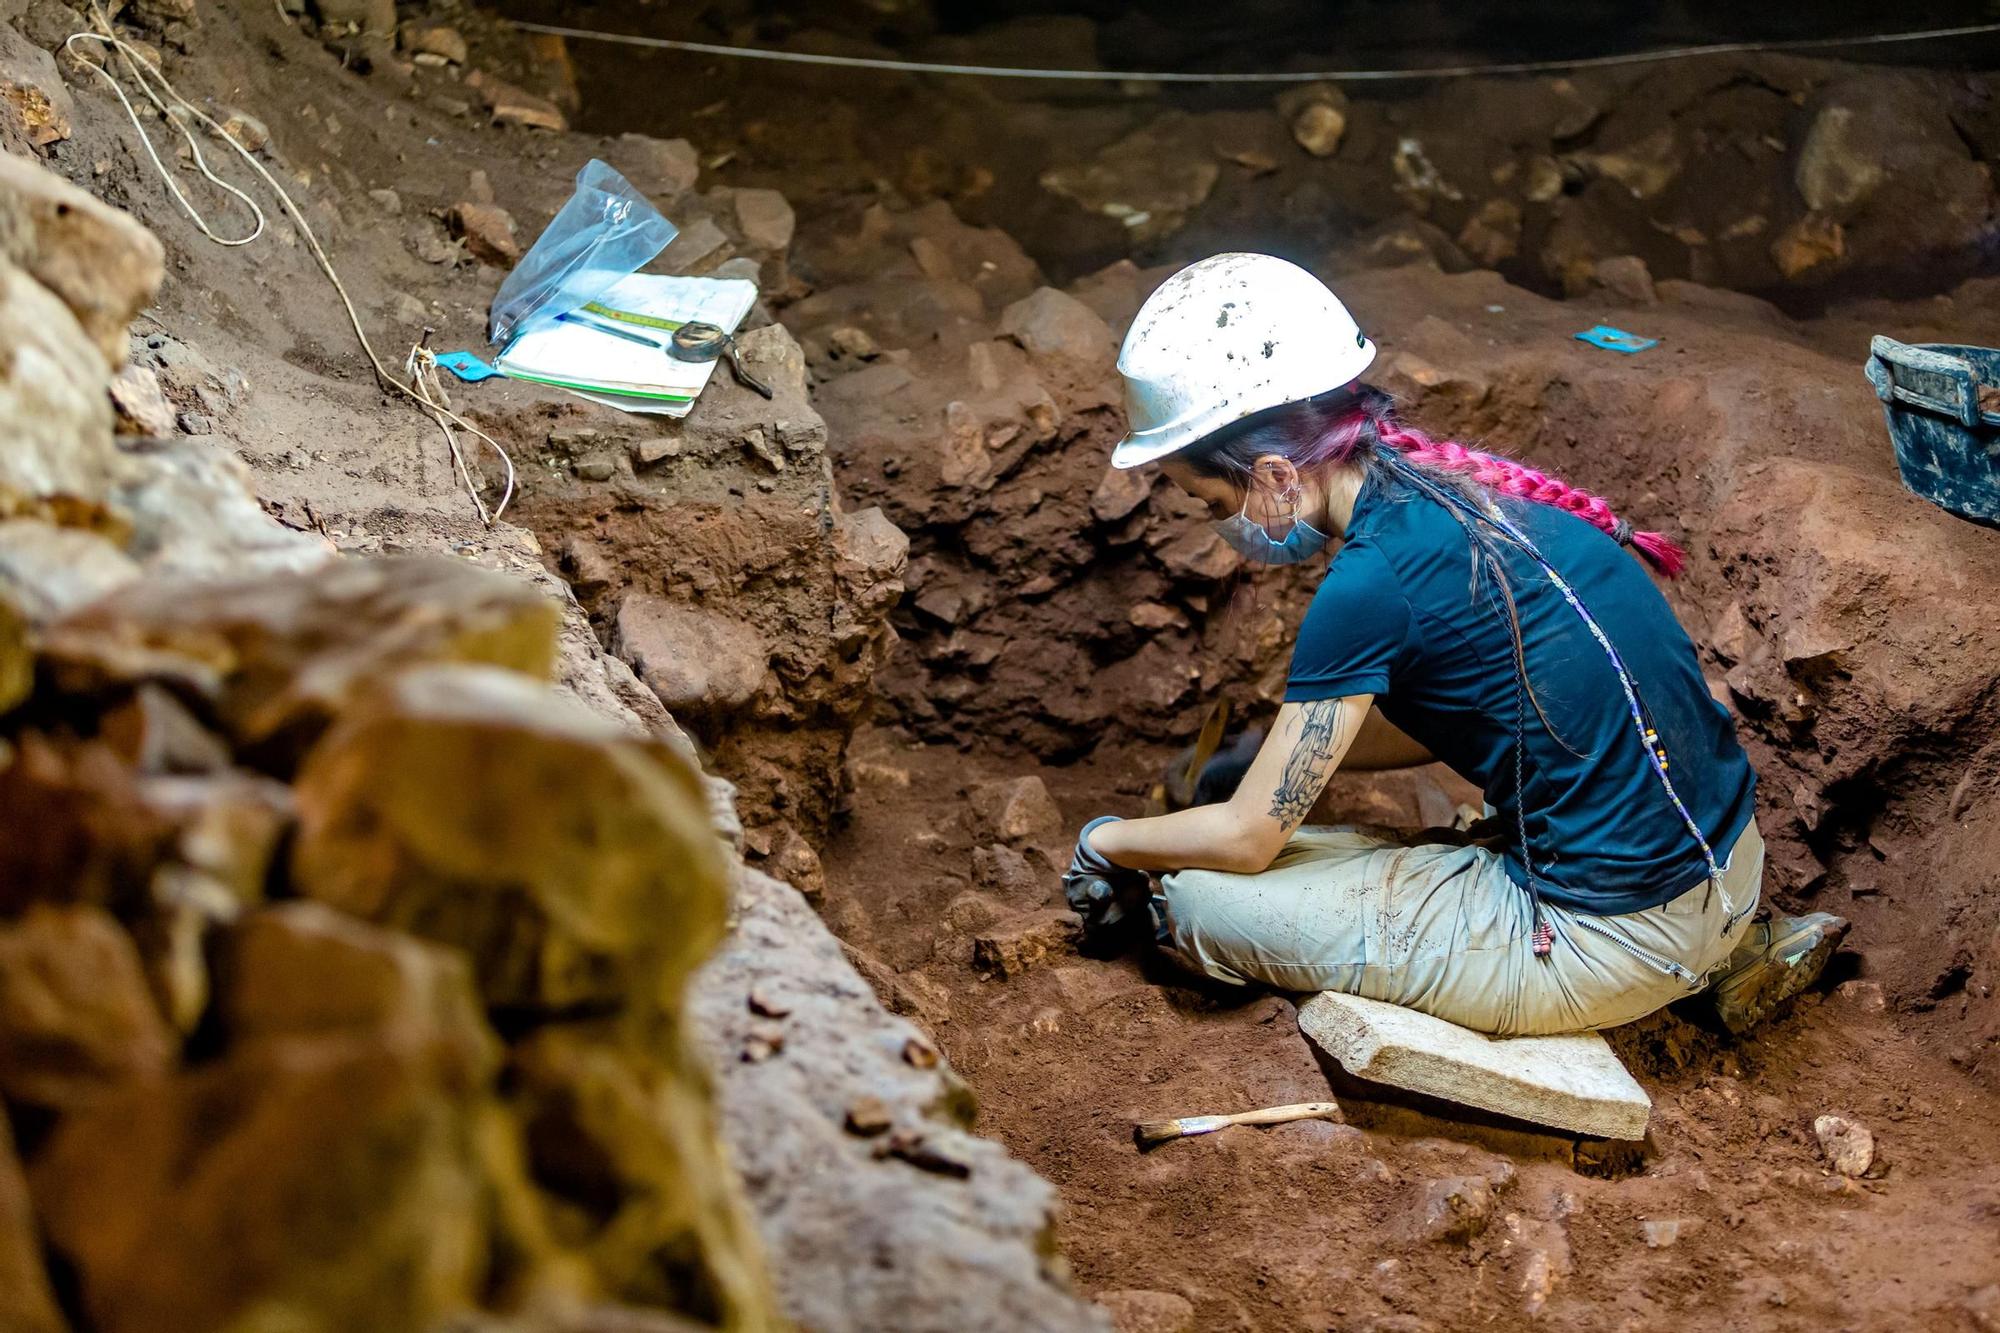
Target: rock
x,y
388,201
509,105
1052,324
156,734
1644,167
27,1302
1661,1232
46,572
17,658
698,246
662,168
1317,114
1625,277
1148,1311
488,233
34,104
1808,243
1572,1082
1543,179
1015,810
1837,166
862,1243
374,17
1492,236
1121,491
868,1116
583,862
1013,946
1848,1146
1148,180
1318,129
248,131
765,219
1454,1209
593,469
794,861
870,556
653,452
699,662
437,39
1004,870
141,405
277,657
1154,616
193,512
301,969
76,1019
59,459
313,1185
1200,553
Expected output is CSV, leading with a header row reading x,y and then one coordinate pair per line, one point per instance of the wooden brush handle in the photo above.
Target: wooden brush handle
x,y
1278,1115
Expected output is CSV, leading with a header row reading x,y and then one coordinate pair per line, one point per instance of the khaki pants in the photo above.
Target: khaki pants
x,y
1441,928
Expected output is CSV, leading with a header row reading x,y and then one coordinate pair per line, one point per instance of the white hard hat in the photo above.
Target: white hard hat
x,y
1224,339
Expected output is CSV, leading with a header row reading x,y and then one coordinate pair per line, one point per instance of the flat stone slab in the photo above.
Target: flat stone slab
x,y
1571,1082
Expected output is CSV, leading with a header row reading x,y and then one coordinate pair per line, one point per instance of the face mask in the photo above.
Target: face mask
x,y
1253,541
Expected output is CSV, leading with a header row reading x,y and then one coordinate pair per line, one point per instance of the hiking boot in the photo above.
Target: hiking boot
x,y
1775,961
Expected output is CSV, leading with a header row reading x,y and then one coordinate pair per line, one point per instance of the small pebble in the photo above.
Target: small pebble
x,y
868,1116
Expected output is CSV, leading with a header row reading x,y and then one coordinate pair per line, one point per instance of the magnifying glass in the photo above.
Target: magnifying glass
x,y
708,342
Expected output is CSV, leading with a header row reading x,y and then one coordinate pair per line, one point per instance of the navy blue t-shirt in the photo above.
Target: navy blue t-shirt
x,y
1397,617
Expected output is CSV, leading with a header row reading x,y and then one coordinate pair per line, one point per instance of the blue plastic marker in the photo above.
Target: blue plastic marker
x,y
468,367
1615,340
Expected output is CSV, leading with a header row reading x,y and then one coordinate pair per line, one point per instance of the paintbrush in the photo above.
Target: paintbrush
x,y
1151,1133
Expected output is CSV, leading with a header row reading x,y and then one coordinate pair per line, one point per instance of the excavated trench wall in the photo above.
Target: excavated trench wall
x,y
1058,606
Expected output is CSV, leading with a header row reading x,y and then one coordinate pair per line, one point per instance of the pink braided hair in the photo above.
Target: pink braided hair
x,y
1338,433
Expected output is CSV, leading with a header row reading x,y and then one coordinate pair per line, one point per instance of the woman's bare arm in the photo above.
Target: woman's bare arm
x,y
1383,745
1246,832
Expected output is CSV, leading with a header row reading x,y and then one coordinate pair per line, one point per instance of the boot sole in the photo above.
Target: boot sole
x,y
1744,1006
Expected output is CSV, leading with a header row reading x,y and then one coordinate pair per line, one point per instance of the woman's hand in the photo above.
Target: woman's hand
x,y
1097,890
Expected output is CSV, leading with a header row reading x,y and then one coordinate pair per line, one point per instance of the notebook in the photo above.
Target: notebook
x,y
613,350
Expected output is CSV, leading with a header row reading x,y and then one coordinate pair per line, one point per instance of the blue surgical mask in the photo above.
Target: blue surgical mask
x,y
1251,540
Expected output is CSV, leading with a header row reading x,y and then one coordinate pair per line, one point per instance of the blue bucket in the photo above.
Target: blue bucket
x,y
1947,449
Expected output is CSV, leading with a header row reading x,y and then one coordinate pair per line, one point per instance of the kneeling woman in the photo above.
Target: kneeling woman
x,y
1479,613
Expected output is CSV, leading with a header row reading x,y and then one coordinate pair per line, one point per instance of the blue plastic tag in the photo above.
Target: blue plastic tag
x,y
467,366
1615,340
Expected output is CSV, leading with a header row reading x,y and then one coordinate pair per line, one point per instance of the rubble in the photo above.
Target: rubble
x,y
1848,1146
488,233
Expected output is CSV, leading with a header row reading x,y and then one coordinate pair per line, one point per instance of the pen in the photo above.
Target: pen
x,y
570,318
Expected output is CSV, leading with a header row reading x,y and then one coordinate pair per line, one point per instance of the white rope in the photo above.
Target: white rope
x,y
133,61
1314,76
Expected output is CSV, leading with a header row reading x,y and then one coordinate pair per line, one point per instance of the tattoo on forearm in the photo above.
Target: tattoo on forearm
x,y
1310,762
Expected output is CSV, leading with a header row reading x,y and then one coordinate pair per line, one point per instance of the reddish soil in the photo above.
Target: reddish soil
x,y
1319,1226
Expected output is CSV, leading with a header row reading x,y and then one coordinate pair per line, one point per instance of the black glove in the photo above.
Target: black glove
x,y
1101,893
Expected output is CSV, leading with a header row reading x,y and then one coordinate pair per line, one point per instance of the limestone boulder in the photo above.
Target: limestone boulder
x,y
27,1302
276,657
76,1019
57,460
620,1133
301,969
314,1185
48,571
35,107
580,869
98,260
193,511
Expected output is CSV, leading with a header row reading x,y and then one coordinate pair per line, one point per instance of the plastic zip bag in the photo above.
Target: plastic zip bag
x,y
606,231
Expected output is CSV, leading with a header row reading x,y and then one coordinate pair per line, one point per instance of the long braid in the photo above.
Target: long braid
x,y
1508,477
